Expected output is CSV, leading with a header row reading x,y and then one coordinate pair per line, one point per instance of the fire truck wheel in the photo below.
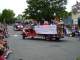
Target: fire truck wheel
x,y
57,38
23,37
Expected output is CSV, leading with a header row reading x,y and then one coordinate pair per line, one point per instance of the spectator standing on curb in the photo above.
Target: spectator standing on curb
x,y
64,29
2,49
73,30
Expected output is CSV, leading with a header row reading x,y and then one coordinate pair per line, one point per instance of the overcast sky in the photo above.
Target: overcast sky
x,y
18,6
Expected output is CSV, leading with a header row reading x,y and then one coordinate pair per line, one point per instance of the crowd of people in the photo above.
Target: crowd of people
x,y
4,48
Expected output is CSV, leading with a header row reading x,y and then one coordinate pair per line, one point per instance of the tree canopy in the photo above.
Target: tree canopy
x,y
45,9
7,15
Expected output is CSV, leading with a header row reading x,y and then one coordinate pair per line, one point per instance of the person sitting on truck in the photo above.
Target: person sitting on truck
x,y
46,23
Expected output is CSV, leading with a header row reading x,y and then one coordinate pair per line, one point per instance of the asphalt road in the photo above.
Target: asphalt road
x,y
66,49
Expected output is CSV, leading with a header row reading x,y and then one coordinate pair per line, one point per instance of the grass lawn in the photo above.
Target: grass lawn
x,y
78,58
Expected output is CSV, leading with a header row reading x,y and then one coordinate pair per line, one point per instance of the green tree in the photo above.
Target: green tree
x,y
0,14
0,17
44,9
65,14
7,16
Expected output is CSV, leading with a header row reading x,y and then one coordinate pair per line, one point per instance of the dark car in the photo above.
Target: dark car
x,y
18,26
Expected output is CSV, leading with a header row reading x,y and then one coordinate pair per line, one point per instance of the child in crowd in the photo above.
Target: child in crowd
x,y
2,54
2,49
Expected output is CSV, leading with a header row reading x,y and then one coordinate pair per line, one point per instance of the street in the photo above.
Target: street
x,y
66,49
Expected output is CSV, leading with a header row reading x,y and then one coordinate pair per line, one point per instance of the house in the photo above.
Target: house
x,y
68,21
76,12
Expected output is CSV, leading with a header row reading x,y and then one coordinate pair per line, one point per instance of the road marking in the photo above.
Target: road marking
x,y
15,35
